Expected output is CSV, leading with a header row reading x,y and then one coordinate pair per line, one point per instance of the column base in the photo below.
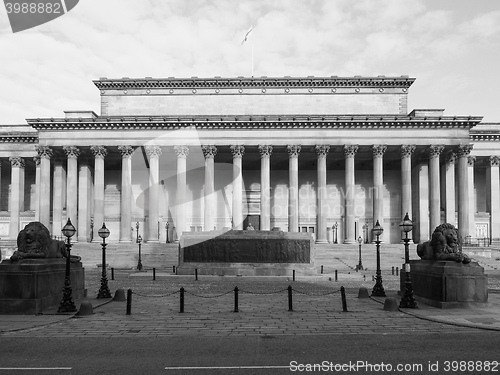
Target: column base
x,y
153,241
321,241
350,242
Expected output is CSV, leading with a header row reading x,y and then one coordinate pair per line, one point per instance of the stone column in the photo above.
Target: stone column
x,y
378,183
406,152
471,159
57,200
350,219
463,152
493,197
17,176
238,152
209,152
321,152
154,153
45,153
449,190
84,197
293,189
180,220
72,186
36,159
265,186
434,186
126,194
100,153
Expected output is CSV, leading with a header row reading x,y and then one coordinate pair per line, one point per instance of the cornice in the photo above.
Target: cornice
x,y
484,136
254,122
19,138
259,82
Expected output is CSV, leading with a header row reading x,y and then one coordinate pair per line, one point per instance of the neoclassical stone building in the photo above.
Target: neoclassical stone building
x,y
326,155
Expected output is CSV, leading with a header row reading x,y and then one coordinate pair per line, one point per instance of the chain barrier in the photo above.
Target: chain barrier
x,y
315,295
155,295
275,292
216,296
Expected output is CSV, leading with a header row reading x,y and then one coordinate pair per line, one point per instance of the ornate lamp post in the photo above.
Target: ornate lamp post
x,y
104,290
137,231
67,304
359,267
335,227
139,264
407,300
378,288
166,230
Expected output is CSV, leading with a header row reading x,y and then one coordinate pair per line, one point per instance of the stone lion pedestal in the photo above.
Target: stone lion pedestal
x,y
31,286
448,284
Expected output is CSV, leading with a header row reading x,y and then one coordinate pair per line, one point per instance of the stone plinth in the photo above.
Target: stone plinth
x,y
33,285
245,252
448,284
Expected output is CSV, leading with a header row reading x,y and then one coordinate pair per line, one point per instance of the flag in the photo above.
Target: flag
x,y
247,34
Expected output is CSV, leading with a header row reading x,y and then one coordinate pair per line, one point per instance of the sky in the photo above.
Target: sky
x,y
451,47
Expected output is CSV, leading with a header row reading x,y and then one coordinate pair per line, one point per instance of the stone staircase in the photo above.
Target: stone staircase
x,y
126,255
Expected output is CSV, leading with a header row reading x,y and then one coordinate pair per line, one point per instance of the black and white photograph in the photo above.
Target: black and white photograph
x,y
249,187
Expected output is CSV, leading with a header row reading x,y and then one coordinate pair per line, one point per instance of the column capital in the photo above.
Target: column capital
x,y
209,151
322,150
36,159
153,151
494,160
293,151
265,150
72,151
99,151
350,150
181,151
379,150
238,151
44,152
17,161
126,151
464,150
470,160
451,157
407,150
435,150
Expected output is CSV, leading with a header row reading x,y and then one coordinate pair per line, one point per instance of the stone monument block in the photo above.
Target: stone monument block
x,y
448,284
246,252
31,286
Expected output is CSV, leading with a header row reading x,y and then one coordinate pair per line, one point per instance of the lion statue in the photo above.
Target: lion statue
x,y
34,242
445,244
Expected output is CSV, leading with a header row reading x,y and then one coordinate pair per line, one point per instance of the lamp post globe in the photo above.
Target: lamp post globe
x,y
359,267
104,289
408,300
67,304
378,288
139,242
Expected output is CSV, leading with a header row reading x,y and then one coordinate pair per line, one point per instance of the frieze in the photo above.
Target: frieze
x,y
252,250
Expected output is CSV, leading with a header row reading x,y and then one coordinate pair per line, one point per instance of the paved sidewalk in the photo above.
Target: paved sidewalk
x,y
263,310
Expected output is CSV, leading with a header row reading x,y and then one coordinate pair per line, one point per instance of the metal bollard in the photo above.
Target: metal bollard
x,y
236,299
173,269
129,301
336,275
112,273
293,275
181,292
344,302
321,269
290,305
154,273
397,271
196,274
393,270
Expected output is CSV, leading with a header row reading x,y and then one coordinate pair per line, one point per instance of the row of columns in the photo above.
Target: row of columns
x,y
65,188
